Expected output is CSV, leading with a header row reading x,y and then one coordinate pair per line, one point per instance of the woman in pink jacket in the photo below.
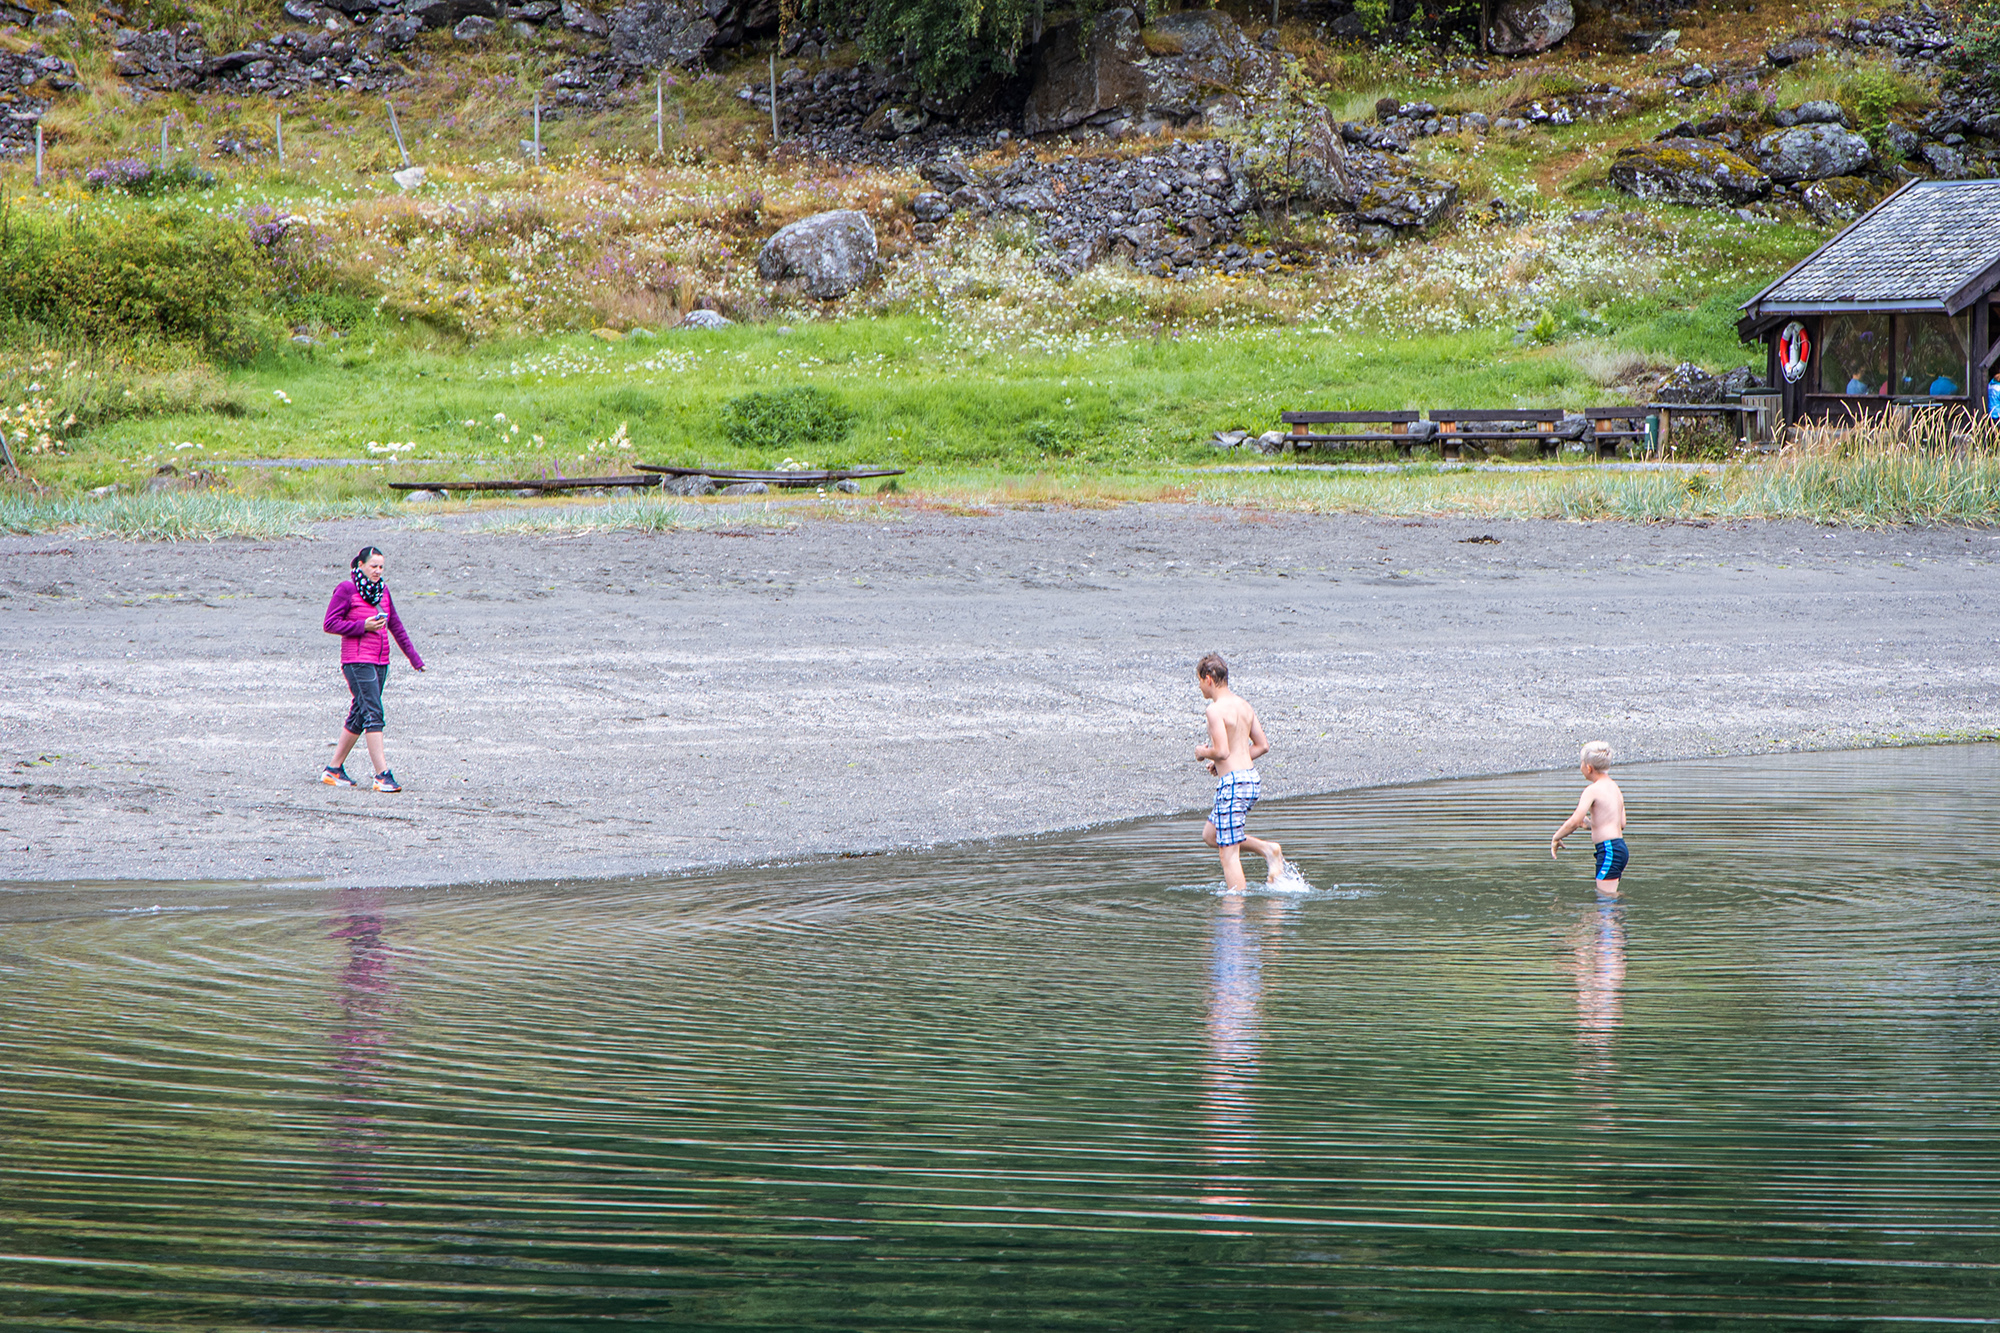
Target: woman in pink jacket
x,y
364,615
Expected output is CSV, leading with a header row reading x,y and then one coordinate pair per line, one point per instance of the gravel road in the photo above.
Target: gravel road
x,y
621,704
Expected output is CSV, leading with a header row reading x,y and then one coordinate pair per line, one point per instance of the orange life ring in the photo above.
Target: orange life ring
x,y
1794,352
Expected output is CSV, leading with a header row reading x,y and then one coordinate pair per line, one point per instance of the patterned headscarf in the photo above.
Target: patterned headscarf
x,y
370,589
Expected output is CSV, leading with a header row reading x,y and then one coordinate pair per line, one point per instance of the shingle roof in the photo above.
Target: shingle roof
x,y
1925,243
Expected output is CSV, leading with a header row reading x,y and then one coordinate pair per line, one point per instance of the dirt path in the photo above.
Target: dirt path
x,y
626,704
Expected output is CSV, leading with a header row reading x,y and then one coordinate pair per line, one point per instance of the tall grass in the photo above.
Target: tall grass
x,y
1931,468
178,518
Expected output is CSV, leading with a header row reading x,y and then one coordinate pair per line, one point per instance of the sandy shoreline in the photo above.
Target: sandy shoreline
x,y
626,704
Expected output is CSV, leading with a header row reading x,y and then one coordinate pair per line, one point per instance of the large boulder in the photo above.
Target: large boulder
x,y
1409,203
1522,27
650,33
1075,79
1812,153
1688,171
828,254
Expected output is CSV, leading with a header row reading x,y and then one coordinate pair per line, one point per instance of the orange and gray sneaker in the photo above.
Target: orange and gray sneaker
x,y
335,777
386,781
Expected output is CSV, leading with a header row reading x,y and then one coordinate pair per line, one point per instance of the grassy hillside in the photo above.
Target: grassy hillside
x,y
503,317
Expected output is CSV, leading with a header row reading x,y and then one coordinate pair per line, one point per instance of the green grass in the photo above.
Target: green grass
x,y
920,393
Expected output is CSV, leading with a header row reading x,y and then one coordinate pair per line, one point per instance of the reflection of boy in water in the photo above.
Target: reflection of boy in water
x,y
1603,808
1235,741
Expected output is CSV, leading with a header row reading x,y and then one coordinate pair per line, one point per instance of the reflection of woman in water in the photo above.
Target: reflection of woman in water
x,y
364,994
1235,1032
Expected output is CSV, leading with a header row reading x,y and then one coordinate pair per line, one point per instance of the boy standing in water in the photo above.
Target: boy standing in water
x,y
1603,808
1235,742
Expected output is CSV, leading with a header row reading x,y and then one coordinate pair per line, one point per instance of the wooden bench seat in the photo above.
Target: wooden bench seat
x,y
1396,428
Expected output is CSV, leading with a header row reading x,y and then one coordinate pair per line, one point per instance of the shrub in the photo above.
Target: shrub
x,y
145,181
786,418
1978,48
173,278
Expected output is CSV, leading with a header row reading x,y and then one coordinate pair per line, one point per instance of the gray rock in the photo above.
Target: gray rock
x,y
473,28
447,13
583,18
106,492
689,486
747,488
829,254
1688,171
1812,152
847,486
1740,381
1945,161
1696,76
1272,442
930,206
1689,383
1411,203
1075,79
1819,113
653,33
1792,52
55,18
706,319
421,497
1476,121
1986,127
1838,199
1901,140
1522,27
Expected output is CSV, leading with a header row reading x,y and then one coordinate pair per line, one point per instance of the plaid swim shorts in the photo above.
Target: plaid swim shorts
x,y
1234,795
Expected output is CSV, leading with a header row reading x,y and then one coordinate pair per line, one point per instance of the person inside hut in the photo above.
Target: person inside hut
x,y
1855,384
1944,386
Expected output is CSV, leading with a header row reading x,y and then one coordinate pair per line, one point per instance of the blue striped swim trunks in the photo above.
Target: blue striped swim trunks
x,y
1611,858
1234,795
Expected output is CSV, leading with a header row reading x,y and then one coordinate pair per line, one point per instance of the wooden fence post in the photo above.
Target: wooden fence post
x,y
281,138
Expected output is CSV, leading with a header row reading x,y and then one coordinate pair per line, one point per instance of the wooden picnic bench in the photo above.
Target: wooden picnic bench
x,y
529,484
1484,426
1615,426
1395,428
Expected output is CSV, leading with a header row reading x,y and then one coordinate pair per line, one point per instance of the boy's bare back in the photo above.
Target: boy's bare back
x,y
1603,804
1234,734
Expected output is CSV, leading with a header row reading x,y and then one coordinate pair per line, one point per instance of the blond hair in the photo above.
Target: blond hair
x,y
1598,755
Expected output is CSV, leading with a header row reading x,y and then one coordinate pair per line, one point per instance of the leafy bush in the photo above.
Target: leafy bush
x,y
172,278
145,181
786,418
953,45
1978,49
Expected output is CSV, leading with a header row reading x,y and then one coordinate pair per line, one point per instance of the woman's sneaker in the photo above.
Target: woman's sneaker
x,y
386,781
336,777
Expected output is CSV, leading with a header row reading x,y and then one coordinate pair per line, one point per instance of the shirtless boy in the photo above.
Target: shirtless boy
x,y
1235,742
1603,808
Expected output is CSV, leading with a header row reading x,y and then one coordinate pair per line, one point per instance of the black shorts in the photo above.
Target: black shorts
x,y
365,681
1611,858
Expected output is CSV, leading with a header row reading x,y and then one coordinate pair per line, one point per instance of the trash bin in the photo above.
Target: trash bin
x,y
1652,434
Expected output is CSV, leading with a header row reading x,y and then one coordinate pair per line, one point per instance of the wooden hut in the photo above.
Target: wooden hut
x,y
1903,307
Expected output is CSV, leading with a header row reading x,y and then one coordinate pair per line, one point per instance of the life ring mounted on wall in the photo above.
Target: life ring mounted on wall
x,y
1794,352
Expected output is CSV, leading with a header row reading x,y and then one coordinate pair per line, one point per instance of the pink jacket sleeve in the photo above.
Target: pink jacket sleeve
x,y
336,614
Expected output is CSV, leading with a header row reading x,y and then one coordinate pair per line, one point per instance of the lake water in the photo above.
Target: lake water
x,y
1052,1084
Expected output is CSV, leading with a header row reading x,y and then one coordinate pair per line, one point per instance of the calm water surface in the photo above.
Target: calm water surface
x,y
1052,1084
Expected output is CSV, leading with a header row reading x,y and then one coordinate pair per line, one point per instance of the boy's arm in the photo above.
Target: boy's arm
x,y
1218,738
1258,745
1577,819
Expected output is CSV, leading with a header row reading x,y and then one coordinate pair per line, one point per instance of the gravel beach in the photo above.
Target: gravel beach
x,y
623,703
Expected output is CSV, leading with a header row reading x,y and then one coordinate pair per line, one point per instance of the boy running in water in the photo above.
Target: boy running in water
x,y
1603,808
1235,742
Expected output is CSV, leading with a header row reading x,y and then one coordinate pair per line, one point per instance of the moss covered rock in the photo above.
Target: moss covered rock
x,y
1688,171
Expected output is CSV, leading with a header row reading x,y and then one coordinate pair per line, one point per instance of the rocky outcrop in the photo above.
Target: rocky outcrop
x,y
1812,153
1078,77
1688,171
29,82
827,255
1524,27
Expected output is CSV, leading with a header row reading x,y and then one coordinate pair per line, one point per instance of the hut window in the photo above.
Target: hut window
x,y
1931,355
1854,358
